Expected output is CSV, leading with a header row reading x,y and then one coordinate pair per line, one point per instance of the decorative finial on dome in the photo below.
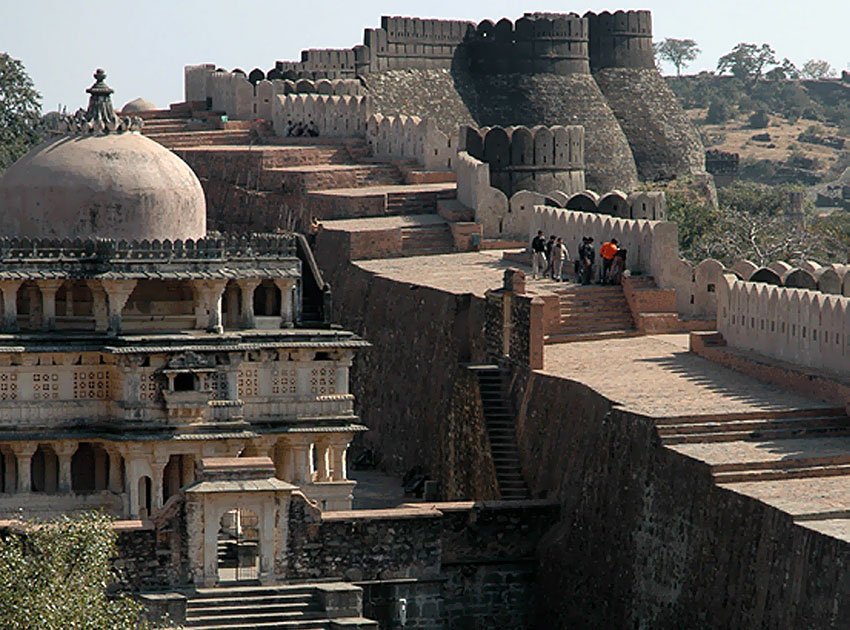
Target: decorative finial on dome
x,y
100,117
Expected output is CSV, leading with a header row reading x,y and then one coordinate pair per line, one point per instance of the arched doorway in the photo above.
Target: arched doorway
x,y
44,470
89,469
238,546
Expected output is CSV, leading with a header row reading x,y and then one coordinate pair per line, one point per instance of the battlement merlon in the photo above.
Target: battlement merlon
x,y
622,39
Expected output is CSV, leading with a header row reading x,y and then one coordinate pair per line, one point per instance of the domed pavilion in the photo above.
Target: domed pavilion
x,y
134,344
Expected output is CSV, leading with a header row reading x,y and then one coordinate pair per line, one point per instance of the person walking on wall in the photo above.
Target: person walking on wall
x,y
559,255
608,251
538,254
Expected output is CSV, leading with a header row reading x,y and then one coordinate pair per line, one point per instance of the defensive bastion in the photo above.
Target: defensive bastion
x,y
595,71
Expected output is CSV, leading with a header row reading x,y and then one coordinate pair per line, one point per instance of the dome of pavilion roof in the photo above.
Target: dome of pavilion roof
x,y
101,180
137,105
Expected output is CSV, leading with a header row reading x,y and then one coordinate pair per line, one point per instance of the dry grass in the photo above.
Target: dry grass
x,y
736,135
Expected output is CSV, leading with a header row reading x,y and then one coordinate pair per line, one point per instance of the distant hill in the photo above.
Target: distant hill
x,y
784,131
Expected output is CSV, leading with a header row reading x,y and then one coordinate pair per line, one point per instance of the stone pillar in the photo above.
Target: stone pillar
x,y
23,453
64,452
157,466
99,306
115,472
323,472
246,290
117,294
339,471
287,316
215,290
301,465
10,304
187,469
48,290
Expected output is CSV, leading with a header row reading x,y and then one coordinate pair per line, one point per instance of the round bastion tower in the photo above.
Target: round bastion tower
x,y
100,178
536,71
664,142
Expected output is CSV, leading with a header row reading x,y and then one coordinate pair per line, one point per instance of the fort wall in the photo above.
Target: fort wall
x,y
411,138
803,327
622,39
333,116
540,159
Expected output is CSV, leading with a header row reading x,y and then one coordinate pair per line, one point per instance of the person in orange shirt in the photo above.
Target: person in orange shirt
x,y
608,251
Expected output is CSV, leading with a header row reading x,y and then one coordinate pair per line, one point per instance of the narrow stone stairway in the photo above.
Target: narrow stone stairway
x,y
266,607
501,430
592,312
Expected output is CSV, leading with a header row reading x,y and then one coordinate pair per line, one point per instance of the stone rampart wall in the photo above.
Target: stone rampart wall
x,y
679,551
549,43
411,138
540,159
241,98
803,327
334,116
622,39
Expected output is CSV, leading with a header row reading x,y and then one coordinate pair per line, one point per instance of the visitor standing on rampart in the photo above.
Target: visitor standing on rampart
x,y
608,251
618,267
587,256
560,253
549,245
538,254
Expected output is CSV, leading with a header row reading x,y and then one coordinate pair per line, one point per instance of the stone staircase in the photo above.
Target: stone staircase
x,y
591,312
427,239
266,607
501,430
761,426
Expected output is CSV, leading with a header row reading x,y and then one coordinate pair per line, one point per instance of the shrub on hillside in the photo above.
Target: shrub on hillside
x,y
759,120
719,111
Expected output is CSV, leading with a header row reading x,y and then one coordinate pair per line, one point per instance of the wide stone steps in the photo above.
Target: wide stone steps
x,y
432,239
780,473
417,202
304,177
268,607
591,312
175,140
774,428
501,433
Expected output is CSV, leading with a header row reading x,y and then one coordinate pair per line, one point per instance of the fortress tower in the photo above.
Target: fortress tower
x,y
664,142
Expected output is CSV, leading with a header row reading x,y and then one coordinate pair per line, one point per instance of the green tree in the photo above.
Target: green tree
x,y
677,51
747,61
786,71
719,111
54,575
817,69
20,110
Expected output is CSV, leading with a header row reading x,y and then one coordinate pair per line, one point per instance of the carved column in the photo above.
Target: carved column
x,y
115,471
157,467
301,465
215,291
117,294
99,306
10,304
287,317
323,472
339,470
23,453
343,366
64,453
48,289
246,291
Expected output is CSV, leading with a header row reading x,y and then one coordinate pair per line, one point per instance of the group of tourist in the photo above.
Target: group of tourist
x,y
294,130
548,258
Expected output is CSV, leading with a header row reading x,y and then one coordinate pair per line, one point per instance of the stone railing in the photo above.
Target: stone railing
x,y
101,250
806,328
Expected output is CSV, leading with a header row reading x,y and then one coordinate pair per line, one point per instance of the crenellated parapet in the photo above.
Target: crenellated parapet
x,y
539,159
409,42
317,63
554,43
622,39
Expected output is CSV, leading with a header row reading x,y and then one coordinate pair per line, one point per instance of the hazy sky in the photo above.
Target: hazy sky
x,y
143,46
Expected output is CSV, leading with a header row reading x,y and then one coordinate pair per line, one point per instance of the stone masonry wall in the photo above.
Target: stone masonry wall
x,y
664,142
648,540
411,380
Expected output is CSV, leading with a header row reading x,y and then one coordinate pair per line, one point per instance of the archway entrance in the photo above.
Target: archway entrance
x,y
238,547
